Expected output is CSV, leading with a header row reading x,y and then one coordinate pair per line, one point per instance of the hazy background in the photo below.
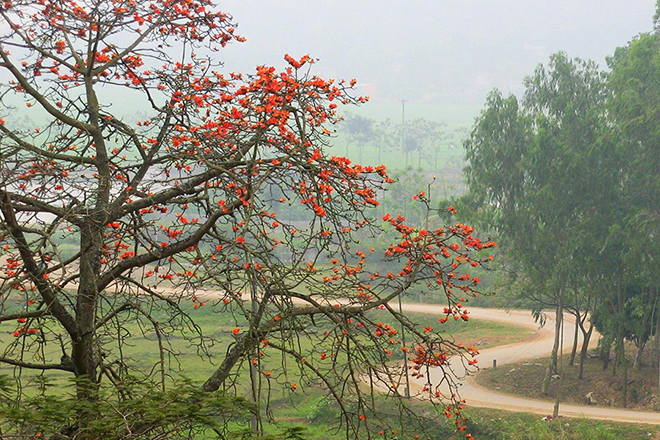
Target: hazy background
x,y
442,56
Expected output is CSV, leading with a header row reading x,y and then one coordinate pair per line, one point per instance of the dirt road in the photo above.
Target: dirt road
x,y
538,345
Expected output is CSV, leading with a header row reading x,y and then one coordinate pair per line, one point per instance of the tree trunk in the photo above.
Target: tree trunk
x,y
655,348
657,339
586,337
255,380
646,326
85,361
605,348
621,357
571,361
85,354
555,411
620,340
637,365
552,364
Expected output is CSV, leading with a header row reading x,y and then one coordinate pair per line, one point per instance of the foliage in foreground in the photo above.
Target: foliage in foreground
x,y
181,412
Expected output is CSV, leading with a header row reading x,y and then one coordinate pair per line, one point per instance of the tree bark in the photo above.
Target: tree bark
x,y
646,328
620,347
85,353
621,357
637,365
552,364
605,348
657,338
571,361
555,411
586,337
85,360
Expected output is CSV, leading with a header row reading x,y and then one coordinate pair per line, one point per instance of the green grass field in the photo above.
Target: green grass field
x,y
310,413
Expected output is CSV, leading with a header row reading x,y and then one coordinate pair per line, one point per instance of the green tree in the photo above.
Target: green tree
x,y
635,106
360,132
420,136
530,168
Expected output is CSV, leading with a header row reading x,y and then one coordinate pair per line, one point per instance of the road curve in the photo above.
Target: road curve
x,y
539,344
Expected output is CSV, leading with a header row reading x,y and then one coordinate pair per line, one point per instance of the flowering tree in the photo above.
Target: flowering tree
x,y
112,225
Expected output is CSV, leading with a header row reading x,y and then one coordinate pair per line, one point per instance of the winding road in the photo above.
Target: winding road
x,y
539,344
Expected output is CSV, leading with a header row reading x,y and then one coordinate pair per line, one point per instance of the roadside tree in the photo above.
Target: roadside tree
x,y
634,108
531,170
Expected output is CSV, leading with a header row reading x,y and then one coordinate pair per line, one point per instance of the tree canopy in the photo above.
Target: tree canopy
x,y
567,176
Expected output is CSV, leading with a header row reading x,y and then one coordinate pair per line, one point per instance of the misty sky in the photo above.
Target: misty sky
x,y
436,52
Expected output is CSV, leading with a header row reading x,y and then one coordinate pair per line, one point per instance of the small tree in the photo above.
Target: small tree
x,y
359,132
111,224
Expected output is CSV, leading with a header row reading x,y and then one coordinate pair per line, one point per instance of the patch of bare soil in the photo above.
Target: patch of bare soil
x,y
598,387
